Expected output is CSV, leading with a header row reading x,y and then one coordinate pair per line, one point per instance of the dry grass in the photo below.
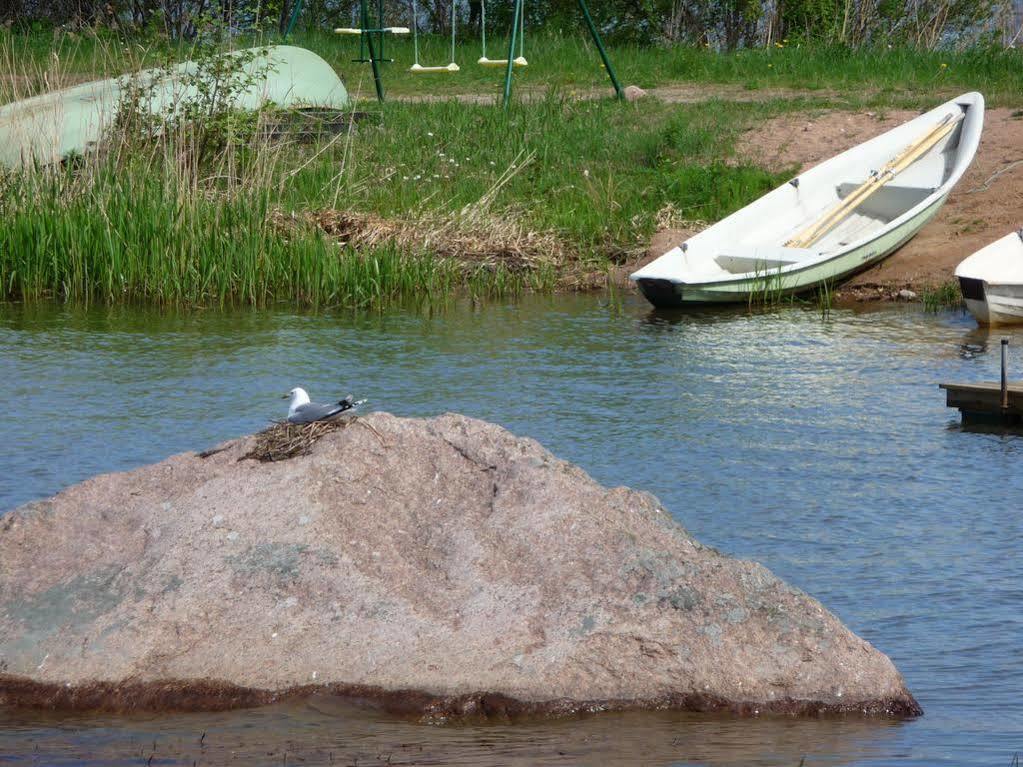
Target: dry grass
x,y
670,217
488,242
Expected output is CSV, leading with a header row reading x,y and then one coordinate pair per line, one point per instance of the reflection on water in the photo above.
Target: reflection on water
x,y
820,447
327,731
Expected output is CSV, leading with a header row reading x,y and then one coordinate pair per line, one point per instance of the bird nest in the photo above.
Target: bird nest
x,y
283,440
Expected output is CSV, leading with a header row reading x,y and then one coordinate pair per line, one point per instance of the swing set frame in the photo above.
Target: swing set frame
x,y
368,44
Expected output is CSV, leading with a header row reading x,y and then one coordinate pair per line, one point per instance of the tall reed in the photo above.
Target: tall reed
x,y
189,213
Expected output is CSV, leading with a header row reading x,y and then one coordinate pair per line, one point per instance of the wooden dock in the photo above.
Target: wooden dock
x,y
1000,402
982,402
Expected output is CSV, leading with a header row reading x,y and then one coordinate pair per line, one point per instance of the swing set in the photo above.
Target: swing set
x,y
371,44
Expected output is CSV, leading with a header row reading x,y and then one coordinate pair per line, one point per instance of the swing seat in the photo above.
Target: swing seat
x,y
355,31
418,69
518,62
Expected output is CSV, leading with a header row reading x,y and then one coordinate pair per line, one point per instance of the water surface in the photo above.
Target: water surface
x,y
819,447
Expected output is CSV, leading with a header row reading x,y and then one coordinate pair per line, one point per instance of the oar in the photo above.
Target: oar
x,y
877,179
890,171
896,165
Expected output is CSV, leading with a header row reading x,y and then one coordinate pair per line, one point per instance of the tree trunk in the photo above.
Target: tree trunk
x,y
285,15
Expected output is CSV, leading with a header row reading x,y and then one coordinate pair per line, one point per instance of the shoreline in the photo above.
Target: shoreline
x,y
171,695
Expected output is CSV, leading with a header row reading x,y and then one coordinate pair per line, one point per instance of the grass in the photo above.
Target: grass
x,y
947,295
872,76
582,182
433,197
595,173
129,234
878,76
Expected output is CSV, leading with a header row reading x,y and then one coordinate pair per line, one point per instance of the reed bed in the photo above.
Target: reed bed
x,y
131,235
499,244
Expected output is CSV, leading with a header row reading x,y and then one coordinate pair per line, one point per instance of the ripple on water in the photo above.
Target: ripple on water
x,y
821,448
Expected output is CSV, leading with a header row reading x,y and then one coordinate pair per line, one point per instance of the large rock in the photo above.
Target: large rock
x,y
443,566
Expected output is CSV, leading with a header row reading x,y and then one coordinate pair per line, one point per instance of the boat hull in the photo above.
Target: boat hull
x,y
991,281
993,304
770,286
50,127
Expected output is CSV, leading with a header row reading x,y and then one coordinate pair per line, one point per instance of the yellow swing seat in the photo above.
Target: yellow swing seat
x,y
419,69
516,62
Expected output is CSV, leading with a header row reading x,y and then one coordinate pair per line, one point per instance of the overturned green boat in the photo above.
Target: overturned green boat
x,y
48,128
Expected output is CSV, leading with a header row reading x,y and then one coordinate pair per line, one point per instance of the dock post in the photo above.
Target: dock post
x,y
1005,380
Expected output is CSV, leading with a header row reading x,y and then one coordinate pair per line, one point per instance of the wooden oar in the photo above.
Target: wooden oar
x,y
878,179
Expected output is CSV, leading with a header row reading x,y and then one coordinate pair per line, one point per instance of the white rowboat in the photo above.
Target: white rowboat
x,y
834,220
992,281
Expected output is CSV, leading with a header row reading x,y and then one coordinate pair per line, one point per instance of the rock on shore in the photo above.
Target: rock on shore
x,y
441,566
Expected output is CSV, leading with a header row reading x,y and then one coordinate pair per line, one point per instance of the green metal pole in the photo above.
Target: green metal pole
x,y
372,50
600,47
380,26
516,21
295,11
362,44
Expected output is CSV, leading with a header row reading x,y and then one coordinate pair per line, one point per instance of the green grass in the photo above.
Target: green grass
x,y
131,235
591,174
947,295
876,76
879,76
595,175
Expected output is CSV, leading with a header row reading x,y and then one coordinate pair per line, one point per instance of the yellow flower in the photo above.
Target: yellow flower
x,y
770,66
944,65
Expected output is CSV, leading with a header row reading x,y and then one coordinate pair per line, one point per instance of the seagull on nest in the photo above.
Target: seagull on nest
x,y
301,410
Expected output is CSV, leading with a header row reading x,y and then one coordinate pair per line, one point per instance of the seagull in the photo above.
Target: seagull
x,y
301,410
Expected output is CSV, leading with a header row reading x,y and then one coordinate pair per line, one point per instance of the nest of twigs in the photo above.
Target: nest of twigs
x,y
284,440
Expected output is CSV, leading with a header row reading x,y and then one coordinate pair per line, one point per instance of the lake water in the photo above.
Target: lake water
x,y
820,447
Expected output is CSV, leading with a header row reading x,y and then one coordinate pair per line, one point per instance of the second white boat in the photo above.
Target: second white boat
x,y
992,281
834,220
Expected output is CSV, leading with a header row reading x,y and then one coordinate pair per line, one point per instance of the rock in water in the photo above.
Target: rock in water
x,y
441,566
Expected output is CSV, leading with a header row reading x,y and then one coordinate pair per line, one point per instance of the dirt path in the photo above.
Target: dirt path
x,y
985,205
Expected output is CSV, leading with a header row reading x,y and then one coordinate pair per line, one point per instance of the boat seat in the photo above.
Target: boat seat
x,y
889,202
741,259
